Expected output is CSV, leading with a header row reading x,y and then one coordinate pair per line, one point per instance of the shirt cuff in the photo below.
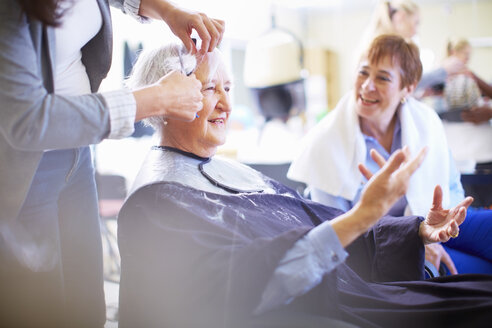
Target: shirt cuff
x,y
122,109
131,7
330,251
303,267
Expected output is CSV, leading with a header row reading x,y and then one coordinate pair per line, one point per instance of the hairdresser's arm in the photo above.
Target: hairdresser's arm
x,y
31,118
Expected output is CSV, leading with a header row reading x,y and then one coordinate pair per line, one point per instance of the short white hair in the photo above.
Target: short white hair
x,y
152,64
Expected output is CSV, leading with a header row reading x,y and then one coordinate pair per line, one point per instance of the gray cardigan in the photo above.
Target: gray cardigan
x,y
32,118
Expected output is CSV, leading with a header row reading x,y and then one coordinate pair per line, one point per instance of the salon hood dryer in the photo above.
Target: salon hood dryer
x,y
273,71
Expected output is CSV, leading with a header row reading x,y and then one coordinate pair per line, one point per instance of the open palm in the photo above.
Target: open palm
x,y
442,224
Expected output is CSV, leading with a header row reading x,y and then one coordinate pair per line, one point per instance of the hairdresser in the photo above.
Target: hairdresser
x,y
53,56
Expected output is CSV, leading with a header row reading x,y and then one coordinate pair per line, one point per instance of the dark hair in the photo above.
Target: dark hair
x,y
404,53
46,11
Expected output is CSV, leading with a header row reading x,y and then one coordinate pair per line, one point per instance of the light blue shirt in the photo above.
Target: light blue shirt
x,y
303,267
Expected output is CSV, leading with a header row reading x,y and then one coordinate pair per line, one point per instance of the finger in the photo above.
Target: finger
x,y
465,202
394,162
415,163
365,171
204,34
377,157
446,259
453,228
214,33
437,199
187,41
460,217
220,26
406,151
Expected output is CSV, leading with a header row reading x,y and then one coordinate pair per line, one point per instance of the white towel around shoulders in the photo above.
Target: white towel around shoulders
x,y
332,150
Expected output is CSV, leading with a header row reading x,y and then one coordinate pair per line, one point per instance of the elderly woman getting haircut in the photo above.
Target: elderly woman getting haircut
x,y
380,113
209,242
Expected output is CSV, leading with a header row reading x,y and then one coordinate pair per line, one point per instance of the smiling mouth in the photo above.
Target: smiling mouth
x,y
217,121
368,101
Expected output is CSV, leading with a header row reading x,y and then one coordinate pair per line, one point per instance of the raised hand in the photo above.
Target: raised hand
x,y
380,193
440,224
391,182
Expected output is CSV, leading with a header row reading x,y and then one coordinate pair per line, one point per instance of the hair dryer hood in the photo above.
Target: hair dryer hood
x,y
272,59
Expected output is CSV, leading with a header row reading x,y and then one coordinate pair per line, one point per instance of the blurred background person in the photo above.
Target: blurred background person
x,y
402,17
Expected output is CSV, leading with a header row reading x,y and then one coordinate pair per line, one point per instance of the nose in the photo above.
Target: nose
x,y
224,103
368,84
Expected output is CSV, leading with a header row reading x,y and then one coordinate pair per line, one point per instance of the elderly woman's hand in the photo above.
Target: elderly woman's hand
x,y
380,193
391,182
440,225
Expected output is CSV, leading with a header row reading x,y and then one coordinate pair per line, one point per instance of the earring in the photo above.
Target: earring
x,y
165,122
403,100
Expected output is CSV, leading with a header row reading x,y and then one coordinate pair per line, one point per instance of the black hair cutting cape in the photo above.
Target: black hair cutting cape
x,y
192,258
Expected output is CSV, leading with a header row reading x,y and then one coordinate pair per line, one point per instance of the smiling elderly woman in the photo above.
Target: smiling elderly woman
x,y
208,242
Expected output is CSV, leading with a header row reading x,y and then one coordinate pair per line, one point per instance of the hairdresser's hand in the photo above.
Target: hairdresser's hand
x,y
182,22
440,225
435,254
390,183
477,115
175,96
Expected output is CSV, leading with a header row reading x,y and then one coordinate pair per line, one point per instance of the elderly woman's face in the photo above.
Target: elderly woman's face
x,y
377,90
202,136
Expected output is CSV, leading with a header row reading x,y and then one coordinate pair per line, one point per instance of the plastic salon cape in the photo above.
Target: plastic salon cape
x,y
199,240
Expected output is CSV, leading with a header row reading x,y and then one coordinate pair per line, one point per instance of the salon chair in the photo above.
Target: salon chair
x,y
479,185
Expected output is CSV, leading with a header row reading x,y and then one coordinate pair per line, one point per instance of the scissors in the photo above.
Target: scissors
x,y
182,66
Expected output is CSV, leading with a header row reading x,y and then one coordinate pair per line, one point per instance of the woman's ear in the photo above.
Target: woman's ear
x,y
410,88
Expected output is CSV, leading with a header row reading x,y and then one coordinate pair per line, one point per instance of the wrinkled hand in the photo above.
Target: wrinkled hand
x,y
477,114
174,96
435,254
182,22
440,224
390,183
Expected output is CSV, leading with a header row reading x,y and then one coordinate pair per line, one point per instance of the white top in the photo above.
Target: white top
x,y
79,25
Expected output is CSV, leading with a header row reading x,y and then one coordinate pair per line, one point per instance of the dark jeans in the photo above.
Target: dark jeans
x,y
51,271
